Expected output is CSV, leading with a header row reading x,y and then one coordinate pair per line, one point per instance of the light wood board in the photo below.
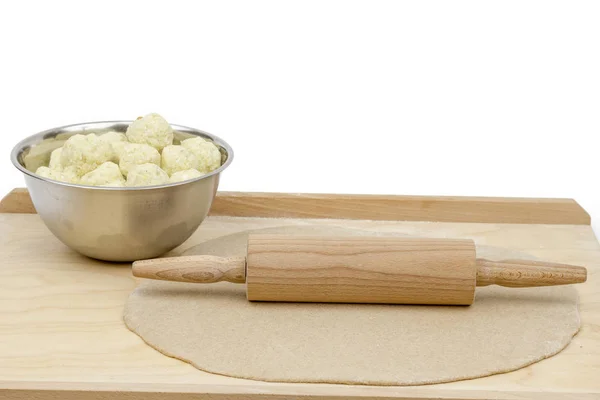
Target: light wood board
x,y
374,207
62,335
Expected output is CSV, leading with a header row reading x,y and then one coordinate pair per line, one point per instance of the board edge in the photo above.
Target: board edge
x,y
374,207
26,390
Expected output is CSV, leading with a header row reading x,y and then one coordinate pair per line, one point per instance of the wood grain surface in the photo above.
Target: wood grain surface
x,y
387,270
17,201
62,334
401,208
375,207
523,273
192,269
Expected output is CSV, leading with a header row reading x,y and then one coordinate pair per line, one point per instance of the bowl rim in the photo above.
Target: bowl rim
x,y
38,137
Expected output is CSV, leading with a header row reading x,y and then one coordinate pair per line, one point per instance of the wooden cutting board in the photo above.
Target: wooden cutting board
x,y
62,335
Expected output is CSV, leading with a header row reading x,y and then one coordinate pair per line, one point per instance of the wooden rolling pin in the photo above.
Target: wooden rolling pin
x,y
390,270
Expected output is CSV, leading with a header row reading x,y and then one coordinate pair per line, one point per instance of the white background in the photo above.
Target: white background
x,y
438,98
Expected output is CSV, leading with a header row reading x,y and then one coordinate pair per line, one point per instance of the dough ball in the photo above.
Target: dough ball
x,y
181,176
134,154
113,136
177,158
48,173
147,175
118,148
67,176
85,153
117,141
55,159
152,129
104,174
208,155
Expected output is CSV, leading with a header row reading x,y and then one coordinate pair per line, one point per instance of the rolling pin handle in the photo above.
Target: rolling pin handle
x,y
523,273
192,269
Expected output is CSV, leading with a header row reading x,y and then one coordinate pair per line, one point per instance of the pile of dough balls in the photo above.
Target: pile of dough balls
x,y
144,156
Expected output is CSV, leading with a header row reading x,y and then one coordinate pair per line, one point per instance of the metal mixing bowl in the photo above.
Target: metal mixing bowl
x,y
117,224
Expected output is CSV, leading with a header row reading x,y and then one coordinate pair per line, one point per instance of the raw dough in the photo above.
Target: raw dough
x,y
177,158
217,330
133,154
208,155
146,175
185,175
55,159
152,129
85,153
105,174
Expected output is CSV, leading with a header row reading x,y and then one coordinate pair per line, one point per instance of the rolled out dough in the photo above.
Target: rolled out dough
x,y
217,330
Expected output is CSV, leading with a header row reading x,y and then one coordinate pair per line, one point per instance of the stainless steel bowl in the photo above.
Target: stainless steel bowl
x,y
117,224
